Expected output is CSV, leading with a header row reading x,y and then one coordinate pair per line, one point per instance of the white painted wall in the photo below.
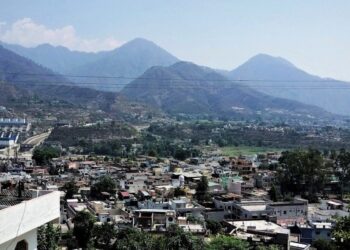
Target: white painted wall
x,y
30,237
16,221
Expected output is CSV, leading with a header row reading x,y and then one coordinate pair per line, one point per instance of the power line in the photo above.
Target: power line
x,y
171,79
173,85
177,83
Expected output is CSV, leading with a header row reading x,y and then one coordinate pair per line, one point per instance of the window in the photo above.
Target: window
x,y
22,245
284,212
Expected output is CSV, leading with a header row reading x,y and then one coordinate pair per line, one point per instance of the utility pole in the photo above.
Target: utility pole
x,y
8,153
15,148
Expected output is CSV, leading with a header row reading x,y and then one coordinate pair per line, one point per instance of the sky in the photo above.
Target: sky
x,y
314,34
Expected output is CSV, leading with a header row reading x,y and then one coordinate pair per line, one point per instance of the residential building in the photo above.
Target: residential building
x,y
22,213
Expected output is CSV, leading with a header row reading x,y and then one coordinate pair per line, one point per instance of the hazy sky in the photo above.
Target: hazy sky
x,y
312,34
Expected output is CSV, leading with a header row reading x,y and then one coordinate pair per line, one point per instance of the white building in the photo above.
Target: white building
x,y
261,230
8,139
153,219
19,220
289,212
15,124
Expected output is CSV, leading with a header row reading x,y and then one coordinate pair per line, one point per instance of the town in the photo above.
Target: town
x,y
260,200
174,125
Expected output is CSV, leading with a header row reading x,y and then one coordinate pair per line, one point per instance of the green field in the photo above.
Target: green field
x,y
246,150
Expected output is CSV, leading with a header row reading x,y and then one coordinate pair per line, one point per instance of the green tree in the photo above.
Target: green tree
x,y
214,226
226,243
341,232
302,173
43,155
176,238
179,192
343,171
103,235
269,247
83,226
70,188
202,189
322,244
131,239
48,237
104,184
273,193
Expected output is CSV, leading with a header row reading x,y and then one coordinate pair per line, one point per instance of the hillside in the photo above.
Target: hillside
x,y
28,79
22,80
19,70
57,58
278,77
129,61
191,89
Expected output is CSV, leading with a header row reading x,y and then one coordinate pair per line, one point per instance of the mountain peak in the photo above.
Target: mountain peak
x,y
266,67
139,43
140,40
269,60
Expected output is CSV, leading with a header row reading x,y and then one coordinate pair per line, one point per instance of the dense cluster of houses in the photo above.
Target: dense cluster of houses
x,y
151,194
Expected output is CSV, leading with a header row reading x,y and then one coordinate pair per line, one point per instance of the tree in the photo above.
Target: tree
x,y
70,188
48,237
302,173
131,239
105,184
181,154
341,232
202,189
227,243
43,155
273,193
176,238
179,192
214,226
321,244
103,235
83,226
343,163
269,247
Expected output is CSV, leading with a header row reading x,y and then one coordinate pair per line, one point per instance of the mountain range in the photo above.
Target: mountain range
x,y
21,78
142,63
116,68
277,77
57,58
191,89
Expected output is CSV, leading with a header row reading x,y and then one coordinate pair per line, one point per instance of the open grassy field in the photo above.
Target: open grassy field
x,y
246,150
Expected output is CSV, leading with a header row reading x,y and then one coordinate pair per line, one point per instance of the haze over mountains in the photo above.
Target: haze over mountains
x,y
207,92
128,61
278,77
57,58
211,91
32,80
17,69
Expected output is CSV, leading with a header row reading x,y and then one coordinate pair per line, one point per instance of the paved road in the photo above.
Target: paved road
x,y
37,139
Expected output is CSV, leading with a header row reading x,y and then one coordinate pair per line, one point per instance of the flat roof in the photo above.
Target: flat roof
x,y
298,245
293,203
334,203
258,225
150,210
254,207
